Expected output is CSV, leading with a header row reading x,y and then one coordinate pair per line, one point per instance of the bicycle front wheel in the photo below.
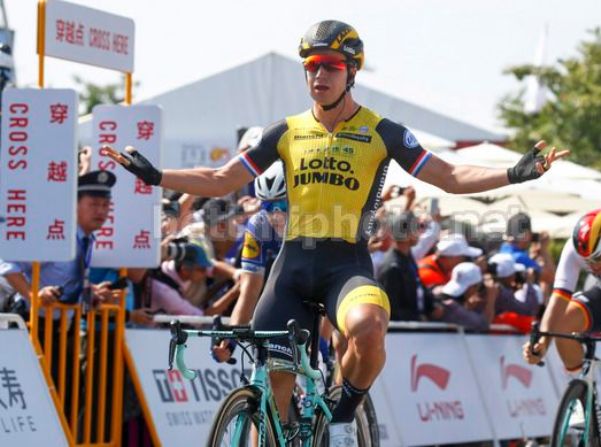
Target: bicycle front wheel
x,y
365,418
571,418
237,422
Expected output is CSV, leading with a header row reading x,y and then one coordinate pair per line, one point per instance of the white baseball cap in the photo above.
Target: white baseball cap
x,y
506,265
463,276
456,245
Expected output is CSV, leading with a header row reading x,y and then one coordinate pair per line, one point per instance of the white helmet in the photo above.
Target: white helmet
x,y
271,185
251,138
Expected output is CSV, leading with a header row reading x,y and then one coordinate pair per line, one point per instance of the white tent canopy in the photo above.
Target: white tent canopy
x,y
553,201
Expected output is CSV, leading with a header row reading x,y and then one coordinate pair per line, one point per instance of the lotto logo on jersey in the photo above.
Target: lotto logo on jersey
x,y
250,249
337,173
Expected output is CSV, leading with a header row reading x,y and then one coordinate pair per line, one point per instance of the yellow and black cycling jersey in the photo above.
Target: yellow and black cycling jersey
x,y
334,179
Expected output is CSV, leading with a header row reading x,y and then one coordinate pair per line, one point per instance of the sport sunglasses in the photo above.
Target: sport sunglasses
x,y
329,63
275,206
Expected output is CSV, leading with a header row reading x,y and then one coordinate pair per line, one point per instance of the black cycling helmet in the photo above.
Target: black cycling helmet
x,y
333,35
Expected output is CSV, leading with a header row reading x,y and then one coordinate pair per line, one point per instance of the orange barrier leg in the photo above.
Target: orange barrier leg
x,y
62,358
48,337
76,372
87,428
101,419
117,413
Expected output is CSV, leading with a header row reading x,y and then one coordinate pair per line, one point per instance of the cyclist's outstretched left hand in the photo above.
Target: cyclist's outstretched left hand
x,y
533,164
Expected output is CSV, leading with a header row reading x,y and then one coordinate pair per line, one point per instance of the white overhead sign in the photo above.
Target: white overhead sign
x,y
27,414
89,36
38,175
130,237
182,410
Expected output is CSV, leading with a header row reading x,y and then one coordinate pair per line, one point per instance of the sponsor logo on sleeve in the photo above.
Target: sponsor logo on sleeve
x,y
409,140
250,249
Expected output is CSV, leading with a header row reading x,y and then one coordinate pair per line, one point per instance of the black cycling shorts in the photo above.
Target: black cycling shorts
x,y
337,274
590,302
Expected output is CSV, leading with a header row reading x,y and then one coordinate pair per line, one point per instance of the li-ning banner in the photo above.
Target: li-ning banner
x,y
27,415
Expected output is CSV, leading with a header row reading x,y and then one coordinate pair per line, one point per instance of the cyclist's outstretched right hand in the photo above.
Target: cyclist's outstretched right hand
x,y
135,163
534,355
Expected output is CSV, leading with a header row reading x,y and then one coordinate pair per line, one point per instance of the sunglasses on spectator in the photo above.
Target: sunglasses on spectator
x,y
329,63
275,206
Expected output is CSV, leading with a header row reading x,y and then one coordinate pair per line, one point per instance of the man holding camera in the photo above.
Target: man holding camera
x,y
520,240
170,281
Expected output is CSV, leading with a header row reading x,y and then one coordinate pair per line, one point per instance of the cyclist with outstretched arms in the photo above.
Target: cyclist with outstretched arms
x,y
568,311
335,158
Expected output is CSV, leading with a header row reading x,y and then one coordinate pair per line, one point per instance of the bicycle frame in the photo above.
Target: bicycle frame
x,y
260,381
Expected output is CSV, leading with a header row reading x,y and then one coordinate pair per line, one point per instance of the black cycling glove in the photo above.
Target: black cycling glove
x,y
525,168
142,168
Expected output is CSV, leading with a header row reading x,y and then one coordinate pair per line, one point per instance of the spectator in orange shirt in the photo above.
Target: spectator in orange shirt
x,y
435,270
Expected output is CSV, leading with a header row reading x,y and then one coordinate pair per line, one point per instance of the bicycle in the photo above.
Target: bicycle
x,y
578,415
253,405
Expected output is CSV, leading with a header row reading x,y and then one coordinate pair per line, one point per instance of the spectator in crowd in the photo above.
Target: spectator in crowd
x,y
409,299
394,199
170,213
464,299
519,299
84,160
168,284
435,270
519,237
218,233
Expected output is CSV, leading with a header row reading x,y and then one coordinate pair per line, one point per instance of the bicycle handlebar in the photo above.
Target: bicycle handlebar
x,y
179,336
536,334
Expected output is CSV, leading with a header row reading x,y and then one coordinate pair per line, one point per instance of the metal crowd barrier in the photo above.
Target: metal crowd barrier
x,y
84,420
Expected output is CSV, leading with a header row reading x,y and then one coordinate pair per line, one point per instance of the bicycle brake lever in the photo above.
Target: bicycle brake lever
x,y
178,337
172,345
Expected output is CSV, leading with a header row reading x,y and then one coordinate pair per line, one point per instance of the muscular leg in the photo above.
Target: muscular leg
x,y
362,316
282,385
574,320
366,326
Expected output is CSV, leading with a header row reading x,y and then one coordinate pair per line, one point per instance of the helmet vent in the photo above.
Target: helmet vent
x,y
270,181
324,30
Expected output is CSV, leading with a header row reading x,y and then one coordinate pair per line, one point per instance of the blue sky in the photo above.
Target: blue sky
x,y
442,54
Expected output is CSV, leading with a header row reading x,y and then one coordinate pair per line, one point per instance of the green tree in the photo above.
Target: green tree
x,y
90,94
572,116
